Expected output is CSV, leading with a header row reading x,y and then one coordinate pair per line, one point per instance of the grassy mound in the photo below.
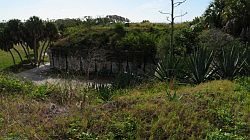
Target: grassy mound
x,y
214,110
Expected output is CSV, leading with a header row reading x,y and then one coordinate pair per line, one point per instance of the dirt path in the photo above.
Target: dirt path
x,y
36,75
39,76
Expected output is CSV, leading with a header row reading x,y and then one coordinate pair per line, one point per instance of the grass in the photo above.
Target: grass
x,y
6,61
214,110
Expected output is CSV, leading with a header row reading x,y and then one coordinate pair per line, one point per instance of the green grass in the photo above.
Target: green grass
x,y
215,110
6,60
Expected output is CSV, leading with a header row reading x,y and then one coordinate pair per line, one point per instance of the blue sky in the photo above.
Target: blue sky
x,y
135,10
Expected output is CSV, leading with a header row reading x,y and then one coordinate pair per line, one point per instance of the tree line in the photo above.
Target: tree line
x,y
33,35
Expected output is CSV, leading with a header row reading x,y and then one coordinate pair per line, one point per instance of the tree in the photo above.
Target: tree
x,y
233,16
50,34
5,45
34,28
173,17
14,29
170,55
38,35
33,34
214,14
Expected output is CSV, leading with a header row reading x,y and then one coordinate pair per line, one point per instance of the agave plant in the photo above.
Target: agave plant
x,y
200,65
231,62
167,68
105,92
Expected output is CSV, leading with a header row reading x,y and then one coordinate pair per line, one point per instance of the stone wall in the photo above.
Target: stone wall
x,y
98,63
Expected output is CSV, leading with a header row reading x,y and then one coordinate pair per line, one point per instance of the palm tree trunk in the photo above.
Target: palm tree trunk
x,y
46,50
13,58
18,54
41,53
35,52
25,51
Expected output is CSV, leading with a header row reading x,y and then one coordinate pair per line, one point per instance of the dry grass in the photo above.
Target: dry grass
x,y
218,109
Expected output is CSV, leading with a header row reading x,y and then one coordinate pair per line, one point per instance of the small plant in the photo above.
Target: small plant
x,y
75,132
169,89
219,135
244,82
123,130
167,67
12,84
105,92
41,92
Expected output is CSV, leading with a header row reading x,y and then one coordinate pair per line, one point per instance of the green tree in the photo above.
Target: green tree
x,y
50,34
231,15
34,29
6,45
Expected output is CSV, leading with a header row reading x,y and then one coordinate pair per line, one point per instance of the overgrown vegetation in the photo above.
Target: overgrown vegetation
x,y
198,89
214,110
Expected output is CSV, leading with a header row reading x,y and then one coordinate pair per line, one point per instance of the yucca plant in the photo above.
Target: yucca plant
x,y
199,64
105,92
231,62
167,67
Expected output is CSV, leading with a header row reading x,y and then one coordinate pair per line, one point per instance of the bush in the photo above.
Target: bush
x,y
200,65
41,92
126,80
11,84
167,68
105,92
230,62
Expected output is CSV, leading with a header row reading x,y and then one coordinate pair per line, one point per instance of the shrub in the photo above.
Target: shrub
x,y
230,62
41,92
167,68
200,65
126,80
11,84
105,92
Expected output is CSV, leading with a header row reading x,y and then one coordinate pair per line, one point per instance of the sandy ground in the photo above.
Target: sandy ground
x,y
38,76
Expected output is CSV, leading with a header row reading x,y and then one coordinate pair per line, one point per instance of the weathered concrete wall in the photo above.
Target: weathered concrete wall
x,y
76,62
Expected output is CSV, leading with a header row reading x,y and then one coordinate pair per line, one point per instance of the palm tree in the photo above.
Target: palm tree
x,y
34,33
214,13
50,34
14,31
5,45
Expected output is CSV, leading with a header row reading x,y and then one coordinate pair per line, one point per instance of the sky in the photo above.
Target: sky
x,y
135,10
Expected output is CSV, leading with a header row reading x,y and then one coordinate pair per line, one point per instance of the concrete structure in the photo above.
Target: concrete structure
x,y
101,61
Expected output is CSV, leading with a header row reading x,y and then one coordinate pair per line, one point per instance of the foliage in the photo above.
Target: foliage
x,y
74,132
9,84
214,110
167,68
32,34
123,130
200,65
126,80
244,83
230,62
188,39
41,92
227,14
105,92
